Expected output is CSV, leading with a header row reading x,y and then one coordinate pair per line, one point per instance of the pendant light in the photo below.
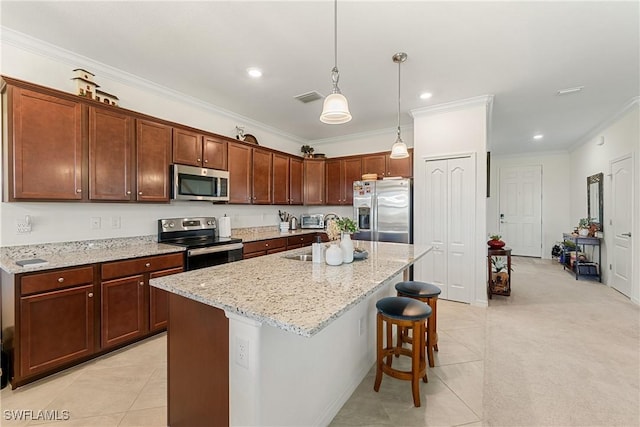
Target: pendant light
x,y
335,109
399,148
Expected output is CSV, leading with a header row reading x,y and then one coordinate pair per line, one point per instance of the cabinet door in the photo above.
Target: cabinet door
x,y
110,155
314,182
46,147
352,171
55,328
214,153
187,147
262,177
123,310
153,149
239,173
159,302
400,167
375,163
296,178
334,183
281,179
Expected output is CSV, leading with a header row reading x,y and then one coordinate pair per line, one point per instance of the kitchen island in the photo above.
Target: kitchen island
x,y
273,340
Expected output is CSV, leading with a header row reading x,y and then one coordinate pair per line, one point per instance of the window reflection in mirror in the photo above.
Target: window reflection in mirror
x,y
594,199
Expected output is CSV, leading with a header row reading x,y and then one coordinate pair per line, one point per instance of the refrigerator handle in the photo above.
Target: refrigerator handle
x,y
374,218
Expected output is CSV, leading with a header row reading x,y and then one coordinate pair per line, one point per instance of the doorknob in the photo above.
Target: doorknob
x,y
627,234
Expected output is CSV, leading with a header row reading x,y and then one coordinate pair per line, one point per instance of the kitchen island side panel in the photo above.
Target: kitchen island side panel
x,y
198,364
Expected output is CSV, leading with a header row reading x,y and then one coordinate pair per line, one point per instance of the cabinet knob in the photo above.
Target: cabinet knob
x,y
140,193
266,244
78,190
148,264
90,294
128,192
141,283
60,279
206,161
199,160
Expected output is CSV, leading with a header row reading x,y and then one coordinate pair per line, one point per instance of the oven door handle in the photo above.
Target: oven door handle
x,y
214,249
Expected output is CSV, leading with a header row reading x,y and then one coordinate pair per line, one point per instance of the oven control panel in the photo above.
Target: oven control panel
x,y
187,224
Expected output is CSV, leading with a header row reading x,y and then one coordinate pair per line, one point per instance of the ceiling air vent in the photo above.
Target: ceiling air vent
x,y
308,97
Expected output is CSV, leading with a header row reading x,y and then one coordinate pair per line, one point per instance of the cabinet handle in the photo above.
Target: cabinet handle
x,y
206,161
199,159
78,190
140,193
266,244
148,264
60,279
90,294
141,283
128,192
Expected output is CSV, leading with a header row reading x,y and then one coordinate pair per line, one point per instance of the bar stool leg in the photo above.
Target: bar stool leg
x,y
389,342
379,352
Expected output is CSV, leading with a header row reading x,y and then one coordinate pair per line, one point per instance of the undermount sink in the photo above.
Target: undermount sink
x,y
303,257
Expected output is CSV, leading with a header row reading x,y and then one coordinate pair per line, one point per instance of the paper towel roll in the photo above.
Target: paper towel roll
x,y
224,226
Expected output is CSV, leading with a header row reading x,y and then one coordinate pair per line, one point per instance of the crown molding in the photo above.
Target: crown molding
x,y
45,49
633,102
455,105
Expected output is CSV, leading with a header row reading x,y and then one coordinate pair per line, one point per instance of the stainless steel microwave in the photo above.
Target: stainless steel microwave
x,y
311,221
193,183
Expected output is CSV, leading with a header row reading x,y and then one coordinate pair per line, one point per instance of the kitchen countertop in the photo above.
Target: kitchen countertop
x,y
297,296
70,254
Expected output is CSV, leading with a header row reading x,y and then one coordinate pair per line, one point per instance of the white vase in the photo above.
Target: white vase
x,y
346,244
333,255
583,232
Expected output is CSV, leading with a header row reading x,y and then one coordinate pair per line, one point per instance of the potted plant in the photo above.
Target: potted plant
x,y
583,226
347,226
500,274
307,150
495,242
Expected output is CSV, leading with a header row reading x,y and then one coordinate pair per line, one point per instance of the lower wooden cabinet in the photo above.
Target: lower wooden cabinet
x,y
56,328
69,315
264,247
294,242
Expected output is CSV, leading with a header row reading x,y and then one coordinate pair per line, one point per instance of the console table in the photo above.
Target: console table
x,y
583,268
500,285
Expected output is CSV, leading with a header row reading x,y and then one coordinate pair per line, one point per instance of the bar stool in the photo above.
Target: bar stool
x,y
405,313
427,293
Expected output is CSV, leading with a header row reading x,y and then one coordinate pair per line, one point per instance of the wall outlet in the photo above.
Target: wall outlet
x,y
95,223
115,222
23,227
242,352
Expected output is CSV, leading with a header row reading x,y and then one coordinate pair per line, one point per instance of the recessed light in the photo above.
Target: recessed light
x,y
569,90
538,137
426,95
254,72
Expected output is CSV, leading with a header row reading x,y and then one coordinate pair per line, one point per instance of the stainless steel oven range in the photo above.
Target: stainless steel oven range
x,y
203,246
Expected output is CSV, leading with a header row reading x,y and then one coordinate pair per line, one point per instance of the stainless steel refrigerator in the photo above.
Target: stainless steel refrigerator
x,y
383,210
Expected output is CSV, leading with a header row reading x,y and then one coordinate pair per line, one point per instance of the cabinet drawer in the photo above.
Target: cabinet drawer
x,y
304,240
140,265
52,280
265,245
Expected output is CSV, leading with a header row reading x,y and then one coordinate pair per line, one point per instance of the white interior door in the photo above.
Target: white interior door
x,y
520,209
448,223
621,223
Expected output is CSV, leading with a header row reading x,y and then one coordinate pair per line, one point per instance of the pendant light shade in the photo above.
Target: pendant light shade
x,y
399,148
335,109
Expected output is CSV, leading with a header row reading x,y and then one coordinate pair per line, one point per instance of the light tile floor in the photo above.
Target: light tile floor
x,y
129,387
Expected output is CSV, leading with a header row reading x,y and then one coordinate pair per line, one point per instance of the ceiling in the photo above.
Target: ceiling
x,y
520,52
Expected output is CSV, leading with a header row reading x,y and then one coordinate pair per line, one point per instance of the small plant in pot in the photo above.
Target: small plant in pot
x,y
583,226
495,242
307,150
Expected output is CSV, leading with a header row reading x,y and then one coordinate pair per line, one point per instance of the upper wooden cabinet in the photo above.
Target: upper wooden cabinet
x,y
153,154
383,165
195,149
45,149
287,180
250,174
339,181
314,182
111,155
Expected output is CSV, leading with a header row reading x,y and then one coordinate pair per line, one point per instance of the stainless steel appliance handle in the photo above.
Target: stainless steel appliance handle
x,y
214,249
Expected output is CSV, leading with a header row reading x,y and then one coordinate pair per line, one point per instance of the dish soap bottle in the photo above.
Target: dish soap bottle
x,y
316,251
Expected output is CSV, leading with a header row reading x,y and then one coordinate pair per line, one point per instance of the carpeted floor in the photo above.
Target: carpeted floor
x,y
561,352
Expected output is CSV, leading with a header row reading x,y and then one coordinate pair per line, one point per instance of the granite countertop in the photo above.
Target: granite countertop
x,y
70,254
298,296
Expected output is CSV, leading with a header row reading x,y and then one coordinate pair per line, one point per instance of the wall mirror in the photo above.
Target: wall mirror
x,y
594,199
